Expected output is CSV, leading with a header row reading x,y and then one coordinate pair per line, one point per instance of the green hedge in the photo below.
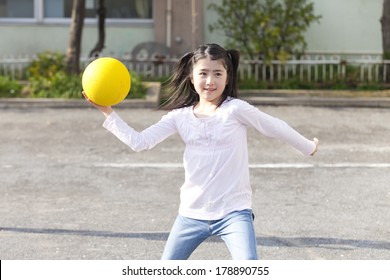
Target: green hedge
x,y
9,87
47,78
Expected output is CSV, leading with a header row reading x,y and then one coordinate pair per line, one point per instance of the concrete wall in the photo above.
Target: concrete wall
x,y
33,38
346,26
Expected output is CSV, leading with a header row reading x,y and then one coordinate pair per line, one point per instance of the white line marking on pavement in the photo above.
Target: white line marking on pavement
x,y
254,166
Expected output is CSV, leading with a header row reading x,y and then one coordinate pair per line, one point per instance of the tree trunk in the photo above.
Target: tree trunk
x,y
385,21
101,11
74,43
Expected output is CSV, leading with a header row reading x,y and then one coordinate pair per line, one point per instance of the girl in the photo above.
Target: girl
x,y
215,198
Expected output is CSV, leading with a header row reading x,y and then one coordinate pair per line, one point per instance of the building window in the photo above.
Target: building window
x,y
60,10
116,9
126,9
16,9
57,9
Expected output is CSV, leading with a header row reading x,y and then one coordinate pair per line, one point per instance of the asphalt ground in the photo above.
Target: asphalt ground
x,y
71,190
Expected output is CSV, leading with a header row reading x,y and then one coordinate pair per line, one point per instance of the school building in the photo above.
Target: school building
x,y
144,27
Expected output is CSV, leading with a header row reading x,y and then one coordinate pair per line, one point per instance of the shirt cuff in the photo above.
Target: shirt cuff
x,y
109,119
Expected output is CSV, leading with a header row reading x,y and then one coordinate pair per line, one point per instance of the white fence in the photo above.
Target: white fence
x,y
318,68
311,68
15,67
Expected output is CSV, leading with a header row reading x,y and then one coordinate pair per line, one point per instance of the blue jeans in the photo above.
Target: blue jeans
x,y
236,230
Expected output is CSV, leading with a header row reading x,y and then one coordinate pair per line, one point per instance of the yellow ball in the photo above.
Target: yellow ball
x,y
106,81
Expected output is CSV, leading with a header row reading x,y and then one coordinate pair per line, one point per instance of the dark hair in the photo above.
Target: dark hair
x,y
183,93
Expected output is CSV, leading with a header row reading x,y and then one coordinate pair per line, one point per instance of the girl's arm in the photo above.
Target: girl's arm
x,y
275,128
137,141
144,140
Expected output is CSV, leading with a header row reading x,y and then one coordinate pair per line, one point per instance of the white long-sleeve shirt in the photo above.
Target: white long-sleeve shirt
x,y
216,155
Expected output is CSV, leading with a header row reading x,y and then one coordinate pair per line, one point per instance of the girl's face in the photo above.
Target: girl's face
x,y
209,78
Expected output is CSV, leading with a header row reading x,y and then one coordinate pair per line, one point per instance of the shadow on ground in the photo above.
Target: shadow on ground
x,y
267,241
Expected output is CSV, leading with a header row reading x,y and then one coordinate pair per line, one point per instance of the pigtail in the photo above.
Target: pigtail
x,y
179,85
233,60
234,55
181,69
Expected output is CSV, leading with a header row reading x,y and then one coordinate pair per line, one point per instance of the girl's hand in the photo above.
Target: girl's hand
x,y
106,110
317,142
